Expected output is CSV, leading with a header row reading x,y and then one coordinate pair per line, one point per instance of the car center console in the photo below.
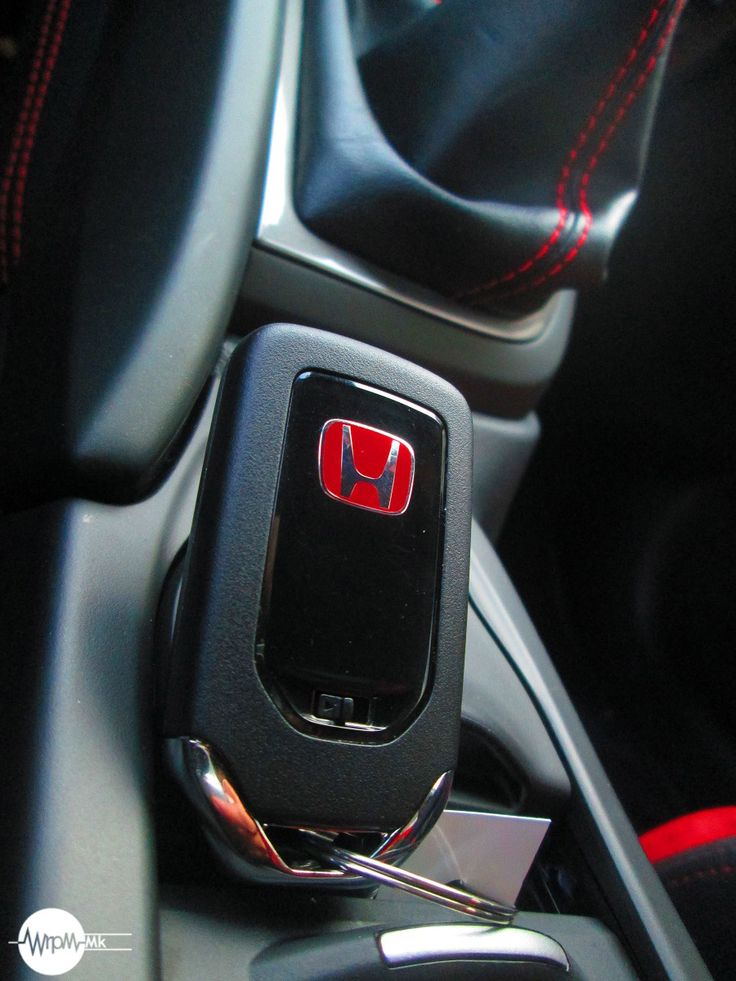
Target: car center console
x,y
98,807
131,622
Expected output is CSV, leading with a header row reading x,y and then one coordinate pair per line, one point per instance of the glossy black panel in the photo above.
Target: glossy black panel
x,y
346,634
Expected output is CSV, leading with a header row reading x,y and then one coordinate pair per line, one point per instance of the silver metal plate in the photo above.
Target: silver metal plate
x,y
460,941
490,854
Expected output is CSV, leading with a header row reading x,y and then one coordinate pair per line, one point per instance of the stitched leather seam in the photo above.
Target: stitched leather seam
x,y
16,141
699,875
619,116
573,157
15,176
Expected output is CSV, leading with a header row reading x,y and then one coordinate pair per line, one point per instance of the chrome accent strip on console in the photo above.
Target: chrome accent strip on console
x,y
460,941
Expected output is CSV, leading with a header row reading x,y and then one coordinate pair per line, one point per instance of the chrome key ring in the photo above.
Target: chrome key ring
x,y
244,836
450,897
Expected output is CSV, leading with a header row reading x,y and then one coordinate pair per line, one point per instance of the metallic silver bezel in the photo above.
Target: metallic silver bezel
x,y
468,941
247,845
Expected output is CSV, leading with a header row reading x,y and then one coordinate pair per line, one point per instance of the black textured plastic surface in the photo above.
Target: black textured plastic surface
x,y
498,708
283,775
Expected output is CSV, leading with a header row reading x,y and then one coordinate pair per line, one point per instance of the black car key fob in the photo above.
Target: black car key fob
x,y
317,658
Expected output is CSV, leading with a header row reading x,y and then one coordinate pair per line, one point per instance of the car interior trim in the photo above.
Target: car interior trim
x,y
643,908
280,229
457,941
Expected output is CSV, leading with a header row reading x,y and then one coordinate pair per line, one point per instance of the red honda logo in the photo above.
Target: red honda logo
x,y
365,467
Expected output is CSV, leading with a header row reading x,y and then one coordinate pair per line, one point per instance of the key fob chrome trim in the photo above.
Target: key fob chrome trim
x,y
254,849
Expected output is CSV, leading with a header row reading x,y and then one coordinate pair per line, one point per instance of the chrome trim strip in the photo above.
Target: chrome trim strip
x,y
460,941
280,229
398,846
217,800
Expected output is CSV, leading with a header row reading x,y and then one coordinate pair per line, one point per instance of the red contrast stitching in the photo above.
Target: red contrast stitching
x,y
24,135
18,134
700,874
604,144
572,156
